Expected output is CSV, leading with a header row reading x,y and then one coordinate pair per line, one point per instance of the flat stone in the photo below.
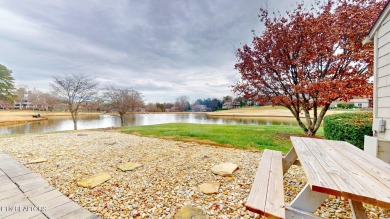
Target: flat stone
x,y
224,169
209,187
39,160
129,166
94,180
150,158
188,212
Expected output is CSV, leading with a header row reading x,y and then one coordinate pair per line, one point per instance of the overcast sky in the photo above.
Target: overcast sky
x,y
162,48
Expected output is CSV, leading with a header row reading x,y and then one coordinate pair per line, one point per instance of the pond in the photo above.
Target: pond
x,y
105,121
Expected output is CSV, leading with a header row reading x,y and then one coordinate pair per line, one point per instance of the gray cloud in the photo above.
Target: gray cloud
x,y
163,48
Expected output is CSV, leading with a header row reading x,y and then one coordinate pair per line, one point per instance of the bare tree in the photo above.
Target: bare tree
x,y
182,104
74,89
123,100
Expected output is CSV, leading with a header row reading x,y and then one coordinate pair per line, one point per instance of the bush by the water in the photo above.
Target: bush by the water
x,y
350,127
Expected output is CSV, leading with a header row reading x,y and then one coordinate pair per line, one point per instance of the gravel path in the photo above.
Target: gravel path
x,y
168,179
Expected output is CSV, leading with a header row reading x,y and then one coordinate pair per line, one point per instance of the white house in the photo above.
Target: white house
x,y
361,102
379,34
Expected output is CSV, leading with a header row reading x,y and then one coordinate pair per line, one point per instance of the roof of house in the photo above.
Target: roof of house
x,y
382,16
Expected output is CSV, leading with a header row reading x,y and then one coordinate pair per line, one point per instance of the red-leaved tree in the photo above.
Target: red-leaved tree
x,y
309,58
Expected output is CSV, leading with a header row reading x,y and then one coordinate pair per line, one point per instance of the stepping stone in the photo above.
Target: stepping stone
x,y
188,212
150,158
209,187
224,169
39,160
129,166
94,180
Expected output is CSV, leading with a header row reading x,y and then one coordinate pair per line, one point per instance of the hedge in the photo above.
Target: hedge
x,y
350,127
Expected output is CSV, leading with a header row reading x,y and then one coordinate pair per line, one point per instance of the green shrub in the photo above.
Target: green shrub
x,y
345,106
350,127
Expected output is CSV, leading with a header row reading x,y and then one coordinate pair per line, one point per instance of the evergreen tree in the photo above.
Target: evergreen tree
x,y
7,87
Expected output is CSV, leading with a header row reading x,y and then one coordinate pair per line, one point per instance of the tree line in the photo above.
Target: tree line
x,y
80,92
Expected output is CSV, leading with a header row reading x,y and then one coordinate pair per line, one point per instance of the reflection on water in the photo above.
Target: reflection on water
x,y
105,121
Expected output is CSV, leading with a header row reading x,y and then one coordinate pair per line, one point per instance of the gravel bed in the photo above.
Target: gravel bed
x,y
167,181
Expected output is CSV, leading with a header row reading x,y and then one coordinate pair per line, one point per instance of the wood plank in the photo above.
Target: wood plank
x,y
375,167
39,216
274,205
22,190
15,208
373,180
30,181
79,213
62,210
308,200
357,209
32,186
257,196
24,214
24,177
334,164
55,202
289,160
39,191
37,200
7,186
9,193
318,177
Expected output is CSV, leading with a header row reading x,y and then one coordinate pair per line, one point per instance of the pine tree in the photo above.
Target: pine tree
x,y
6,85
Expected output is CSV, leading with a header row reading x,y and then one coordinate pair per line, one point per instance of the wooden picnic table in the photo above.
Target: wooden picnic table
x,y
332,168
341,169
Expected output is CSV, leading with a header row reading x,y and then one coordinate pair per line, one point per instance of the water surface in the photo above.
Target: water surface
x,y
105,121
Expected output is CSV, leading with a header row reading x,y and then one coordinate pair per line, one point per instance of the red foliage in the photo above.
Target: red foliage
x,y
310,58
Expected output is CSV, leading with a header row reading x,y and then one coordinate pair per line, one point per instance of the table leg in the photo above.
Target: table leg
x,y
308,200
357,208
289,160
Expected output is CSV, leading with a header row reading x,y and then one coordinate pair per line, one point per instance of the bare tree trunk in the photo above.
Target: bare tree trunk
x,y
74,118
122,119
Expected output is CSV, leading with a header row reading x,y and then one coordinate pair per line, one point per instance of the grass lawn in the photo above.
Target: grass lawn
x,y
240,136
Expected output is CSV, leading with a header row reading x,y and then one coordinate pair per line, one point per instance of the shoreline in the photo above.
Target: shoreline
x,y
15,117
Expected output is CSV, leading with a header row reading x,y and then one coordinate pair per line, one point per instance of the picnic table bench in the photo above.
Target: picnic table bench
x,y
331,167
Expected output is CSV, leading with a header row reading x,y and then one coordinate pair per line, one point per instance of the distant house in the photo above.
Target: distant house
x,y
199,108
361,102
231,105
358,102
23,103
379,35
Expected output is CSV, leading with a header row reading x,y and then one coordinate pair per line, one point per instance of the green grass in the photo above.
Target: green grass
x,y
240,136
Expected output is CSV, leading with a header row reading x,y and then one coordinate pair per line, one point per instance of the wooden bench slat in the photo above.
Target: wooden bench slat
x,y
267,195
274,205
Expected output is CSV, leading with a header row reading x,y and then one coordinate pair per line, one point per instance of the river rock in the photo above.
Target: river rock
x,y
129,166
224,169
94,180
188,212
39,160
209,187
